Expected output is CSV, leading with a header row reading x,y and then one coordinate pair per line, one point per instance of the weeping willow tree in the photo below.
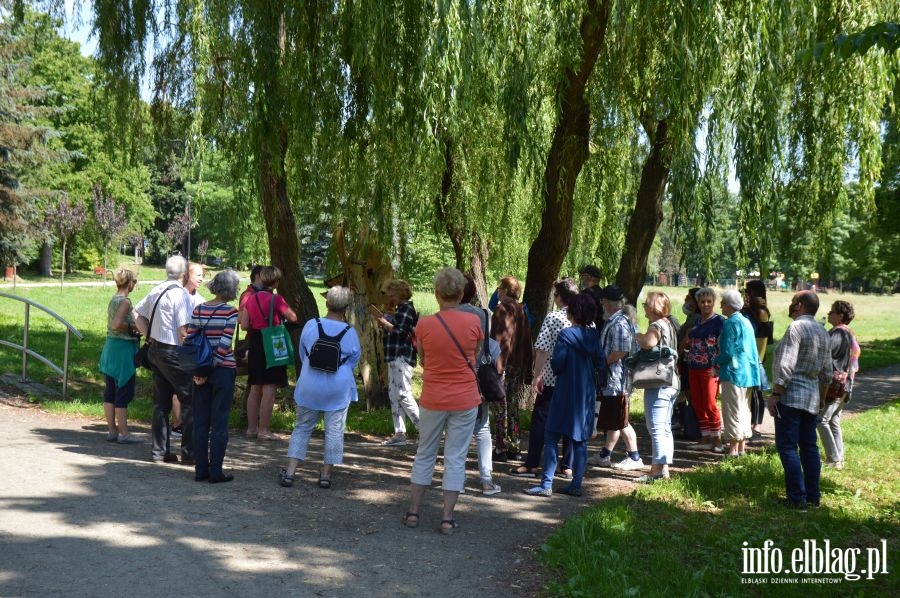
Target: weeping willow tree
x,y
526,130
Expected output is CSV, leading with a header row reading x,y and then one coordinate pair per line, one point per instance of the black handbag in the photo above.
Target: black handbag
x,y
141,359
490,382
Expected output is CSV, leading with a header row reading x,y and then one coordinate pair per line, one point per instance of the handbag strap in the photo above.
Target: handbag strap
x,y
271,307
155,305
484,346
458,346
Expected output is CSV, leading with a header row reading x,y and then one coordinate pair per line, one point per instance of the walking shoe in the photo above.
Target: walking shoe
x,y
568,490
706,446
799,506
491,490
719,449
127,439
629,464
649,479
176,432
539,491
598,461
395,440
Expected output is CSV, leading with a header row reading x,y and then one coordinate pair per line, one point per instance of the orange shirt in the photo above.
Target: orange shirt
x,y
448,383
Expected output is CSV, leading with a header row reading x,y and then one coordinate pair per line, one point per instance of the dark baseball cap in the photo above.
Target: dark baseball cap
x,y
591,270
611,293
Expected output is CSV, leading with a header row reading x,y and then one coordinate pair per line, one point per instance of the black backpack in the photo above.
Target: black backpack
x,y
325,354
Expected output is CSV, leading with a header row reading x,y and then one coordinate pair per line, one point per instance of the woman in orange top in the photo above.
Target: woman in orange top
x,y
447,343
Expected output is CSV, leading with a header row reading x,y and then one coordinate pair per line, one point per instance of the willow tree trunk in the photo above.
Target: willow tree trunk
x,y
478,261
442,207
568,153
281,228
647,214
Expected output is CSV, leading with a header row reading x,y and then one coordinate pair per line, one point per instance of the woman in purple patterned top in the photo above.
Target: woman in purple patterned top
x,y
702,350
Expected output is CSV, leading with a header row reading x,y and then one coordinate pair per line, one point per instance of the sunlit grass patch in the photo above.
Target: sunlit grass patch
x,y
685,537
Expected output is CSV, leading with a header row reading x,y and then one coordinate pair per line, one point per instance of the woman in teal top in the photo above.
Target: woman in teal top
x,y
117,359
738,364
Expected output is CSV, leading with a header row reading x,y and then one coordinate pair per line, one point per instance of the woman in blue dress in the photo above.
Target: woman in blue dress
x,y
576,356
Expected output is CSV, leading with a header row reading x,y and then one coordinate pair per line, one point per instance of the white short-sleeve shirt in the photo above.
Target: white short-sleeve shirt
x,y
546,340
175,309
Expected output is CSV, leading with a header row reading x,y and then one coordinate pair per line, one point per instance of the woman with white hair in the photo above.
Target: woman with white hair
x,y
324,394
738,363
214,388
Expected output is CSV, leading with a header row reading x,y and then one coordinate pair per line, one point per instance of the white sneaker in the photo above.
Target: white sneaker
x,y
629,464
598,461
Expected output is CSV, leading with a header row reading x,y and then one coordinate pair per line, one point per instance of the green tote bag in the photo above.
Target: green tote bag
x,y
276,341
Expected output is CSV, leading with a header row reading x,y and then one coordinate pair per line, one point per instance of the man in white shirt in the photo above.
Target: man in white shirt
x,y
169,325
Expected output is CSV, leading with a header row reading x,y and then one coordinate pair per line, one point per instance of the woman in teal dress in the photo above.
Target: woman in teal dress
x,y
117,359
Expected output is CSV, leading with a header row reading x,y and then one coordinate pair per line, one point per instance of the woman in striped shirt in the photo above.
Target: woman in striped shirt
x,y
214,390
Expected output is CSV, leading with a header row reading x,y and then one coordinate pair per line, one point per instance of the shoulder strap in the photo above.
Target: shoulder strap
x,y
155,305
456,342
271,306
484,345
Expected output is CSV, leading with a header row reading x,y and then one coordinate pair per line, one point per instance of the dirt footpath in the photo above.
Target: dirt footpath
x,y
83,517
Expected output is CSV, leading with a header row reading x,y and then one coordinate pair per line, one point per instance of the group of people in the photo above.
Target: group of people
x,y
577,364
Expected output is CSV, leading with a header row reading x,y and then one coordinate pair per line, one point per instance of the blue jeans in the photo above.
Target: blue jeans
x,y
536,433
796,429
212,404
579,449
658,404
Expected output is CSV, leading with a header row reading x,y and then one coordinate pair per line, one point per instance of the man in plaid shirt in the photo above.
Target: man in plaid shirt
x,y
802,363
400,355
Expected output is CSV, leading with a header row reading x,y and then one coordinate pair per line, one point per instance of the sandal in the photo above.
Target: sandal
x,y
324,483
286,480
523,472
454,525
411,519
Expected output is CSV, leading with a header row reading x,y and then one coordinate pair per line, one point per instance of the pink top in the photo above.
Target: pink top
x,y
448,383
257,307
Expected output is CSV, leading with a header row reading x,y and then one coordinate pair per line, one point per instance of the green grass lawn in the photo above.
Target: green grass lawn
x,y
684,537
85,307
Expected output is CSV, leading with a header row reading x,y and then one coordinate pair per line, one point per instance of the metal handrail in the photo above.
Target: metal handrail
x,y
26,352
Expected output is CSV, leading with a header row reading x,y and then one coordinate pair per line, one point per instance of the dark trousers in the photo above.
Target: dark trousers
x,y
795,439
212,404
757,407
536,433
169,379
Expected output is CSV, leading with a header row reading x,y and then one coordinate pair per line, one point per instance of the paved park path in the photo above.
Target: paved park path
x,y
83,517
